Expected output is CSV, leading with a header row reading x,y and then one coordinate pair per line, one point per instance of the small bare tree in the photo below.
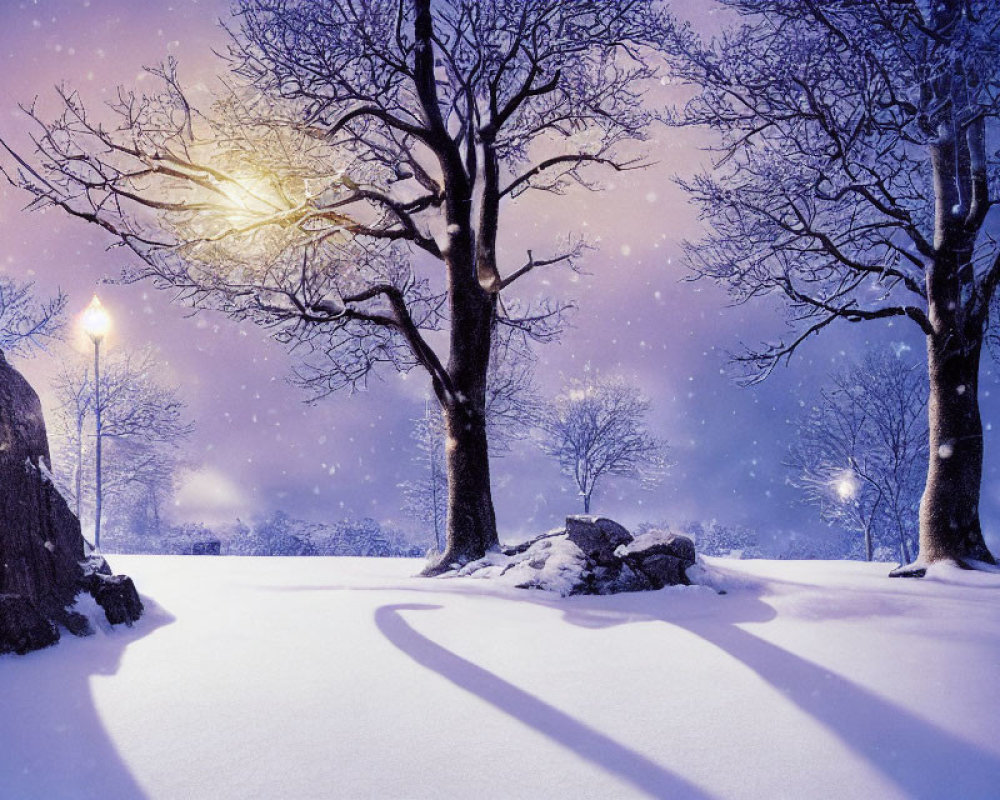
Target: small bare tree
x,y
426,497
73,387
854,180
27,323
596,429
861,451
351,127
143,423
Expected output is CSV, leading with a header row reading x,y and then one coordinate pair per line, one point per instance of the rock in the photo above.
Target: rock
x,y
662,557
95,565
663,570
617,579
593,555
42,551
517,549
116,594
597,537
23,627
75,623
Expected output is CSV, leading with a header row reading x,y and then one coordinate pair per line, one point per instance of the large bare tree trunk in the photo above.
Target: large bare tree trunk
x,y
949,509
471,525
43,565
958,308
471,521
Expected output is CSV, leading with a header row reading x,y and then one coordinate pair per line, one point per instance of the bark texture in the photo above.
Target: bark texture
x,y
43,564
949,510
471,518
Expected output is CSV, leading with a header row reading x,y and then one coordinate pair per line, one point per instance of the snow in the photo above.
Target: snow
x,y
552,565
325,677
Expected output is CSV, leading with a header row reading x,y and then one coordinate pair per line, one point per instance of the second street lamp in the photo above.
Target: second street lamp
x,y
96,324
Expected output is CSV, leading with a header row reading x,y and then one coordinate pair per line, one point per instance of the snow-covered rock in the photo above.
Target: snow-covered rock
x,y
591,555
43,564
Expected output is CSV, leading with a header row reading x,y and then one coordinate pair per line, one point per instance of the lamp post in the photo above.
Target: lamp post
x,y
96,323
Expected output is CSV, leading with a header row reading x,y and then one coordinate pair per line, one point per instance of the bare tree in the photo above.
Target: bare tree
x,y
350,128
861,451
25,322
143,423
74,391
854,181
597,429
426,497
513,403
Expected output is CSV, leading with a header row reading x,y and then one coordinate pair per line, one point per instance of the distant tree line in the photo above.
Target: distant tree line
x,y
275,534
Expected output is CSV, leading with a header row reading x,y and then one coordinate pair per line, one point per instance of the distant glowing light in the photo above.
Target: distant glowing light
x,y
96,320
846,487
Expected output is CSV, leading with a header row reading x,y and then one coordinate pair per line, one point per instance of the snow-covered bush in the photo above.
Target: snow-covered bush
x,y
282,535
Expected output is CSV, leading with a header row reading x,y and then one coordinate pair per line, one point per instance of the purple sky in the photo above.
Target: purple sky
x,y
259,447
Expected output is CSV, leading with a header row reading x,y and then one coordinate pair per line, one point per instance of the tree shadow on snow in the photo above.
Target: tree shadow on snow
x,y
918,756
53,743
527,709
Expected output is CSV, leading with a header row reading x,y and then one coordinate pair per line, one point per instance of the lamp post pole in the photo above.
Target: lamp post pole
x,y
96,323
97,417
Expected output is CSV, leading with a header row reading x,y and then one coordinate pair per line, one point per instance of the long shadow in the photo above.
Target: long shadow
x,y
54,745
630,766
916,755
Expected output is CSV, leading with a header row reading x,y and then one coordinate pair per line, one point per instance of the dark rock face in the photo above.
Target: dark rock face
x,y
23,627
619,563
664,562
597,537
116,594
41,547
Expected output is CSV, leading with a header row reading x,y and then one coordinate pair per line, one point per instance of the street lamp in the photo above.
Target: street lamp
x,y
846,486
96,324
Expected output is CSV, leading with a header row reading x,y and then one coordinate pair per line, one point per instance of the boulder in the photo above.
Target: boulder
x,y
661,557
592,555
597,537
42,551
116,594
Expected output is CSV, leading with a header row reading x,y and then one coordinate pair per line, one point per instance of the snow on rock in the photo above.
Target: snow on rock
x,y
591,555
551,563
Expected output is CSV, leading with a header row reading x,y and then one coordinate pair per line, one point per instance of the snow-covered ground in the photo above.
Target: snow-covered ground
x,y
345,678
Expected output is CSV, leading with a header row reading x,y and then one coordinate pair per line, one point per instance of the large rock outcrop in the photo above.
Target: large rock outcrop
x,y
591,555
43,563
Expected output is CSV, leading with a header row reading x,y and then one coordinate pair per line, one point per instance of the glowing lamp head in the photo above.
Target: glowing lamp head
x,y
96,320
846,487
